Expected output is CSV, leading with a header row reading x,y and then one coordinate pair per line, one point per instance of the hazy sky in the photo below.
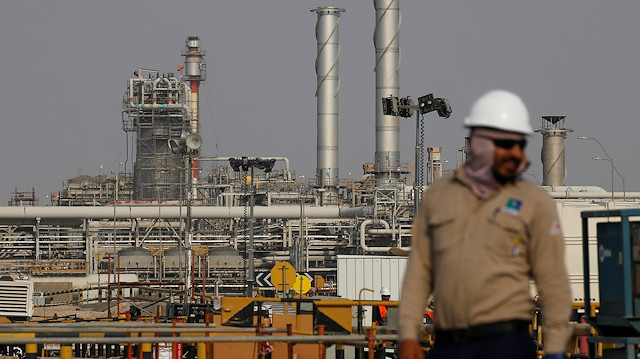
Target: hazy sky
x,y
65,66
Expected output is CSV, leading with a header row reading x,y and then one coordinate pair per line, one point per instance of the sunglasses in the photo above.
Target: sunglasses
x,y
507,144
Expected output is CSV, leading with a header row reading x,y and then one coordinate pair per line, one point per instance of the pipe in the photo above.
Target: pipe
x,y
30,214
131,226
327,88
311,339
286,258
581,192
580,189
387,45
350,212
312,252
388,231
583,195
375,222
133,105
217,283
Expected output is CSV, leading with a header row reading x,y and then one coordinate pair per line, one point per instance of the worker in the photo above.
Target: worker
x,y
478,238
380,317
380,311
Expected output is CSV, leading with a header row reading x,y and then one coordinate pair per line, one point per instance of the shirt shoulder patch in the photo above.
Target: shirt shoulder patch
x,y
555,228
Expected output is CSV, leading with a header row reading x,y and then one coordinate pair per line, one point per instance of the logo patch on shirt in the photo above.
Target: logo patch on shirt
x,y
513,206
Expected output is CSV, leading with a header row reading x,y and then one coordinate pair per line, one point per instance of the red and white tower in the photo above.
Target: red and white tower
x,y
195,71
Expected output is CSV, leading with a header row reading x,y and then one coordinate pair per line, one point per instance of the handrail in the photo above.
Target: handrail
x,y
329,339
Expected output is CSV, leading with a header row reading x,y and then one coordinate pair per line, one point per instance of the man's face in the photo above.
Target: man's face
x,y
507,157
386,297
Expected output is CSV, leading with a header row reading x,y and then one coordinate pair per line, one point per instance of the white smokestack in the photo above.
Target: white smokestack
x,y
387,44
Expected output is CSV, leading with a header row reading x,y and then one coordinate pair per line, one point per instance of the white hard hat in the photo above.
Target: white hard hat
x,y
502,110
385,291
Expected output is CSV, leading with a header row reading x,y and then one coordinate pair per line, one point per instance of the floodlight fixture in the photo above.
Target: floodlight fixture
x,y
390,106
175,147
425,103
428,103
444,108
406,107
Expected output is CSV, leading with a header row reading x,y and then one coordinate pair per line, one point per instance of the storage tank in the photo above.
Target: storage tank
x,y
174,258
136,257
225,258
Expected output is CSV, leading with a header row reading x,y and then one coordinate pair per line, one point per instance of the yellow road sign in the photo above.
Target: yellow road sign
x,y
283,276
302,284
318,281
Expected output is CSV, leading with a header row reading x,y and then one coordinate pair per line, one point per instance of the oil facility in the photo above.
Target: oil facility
x,y
196,233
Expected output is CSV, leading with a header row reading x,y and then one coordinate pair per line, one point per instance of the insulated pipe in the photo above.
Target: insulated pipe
x,y
576,189
388,231
580,192
328,85
387,45
311,252
374,222
272,259
603,195
30,214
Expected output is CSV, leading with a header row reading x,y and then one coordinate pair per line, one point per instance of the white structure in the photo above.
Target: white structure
x,y
328,85
16,299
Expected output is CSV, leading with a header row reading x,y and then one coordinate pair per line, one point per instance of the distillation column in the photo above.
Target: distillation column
x,y
195,70
554,141
154,104
328,84
387,44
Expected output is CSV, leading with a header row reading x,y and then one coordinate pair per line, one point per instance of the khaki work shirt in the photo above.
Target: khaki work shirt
x,y
477,257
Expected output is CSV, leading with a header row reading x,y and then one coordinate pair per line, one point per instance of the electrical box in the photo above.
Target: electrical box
x,y
619,279
611,268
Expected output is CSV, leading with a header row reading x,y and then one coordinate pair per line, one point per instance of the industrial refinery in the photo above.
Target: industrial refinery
x,y
203,228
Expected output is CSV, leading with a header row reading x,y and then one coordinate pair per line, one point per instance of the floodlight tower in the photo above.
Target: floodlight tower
x,y
195,71
554,141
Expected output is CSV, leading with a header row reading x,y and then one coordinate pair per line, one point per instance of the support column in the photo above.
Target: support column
x,y
36,235
89,247
32,351
66,352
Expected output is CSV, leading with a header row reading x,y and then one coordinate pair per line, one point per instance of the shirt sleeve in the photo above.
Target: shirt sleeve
x,y
416,285
550,274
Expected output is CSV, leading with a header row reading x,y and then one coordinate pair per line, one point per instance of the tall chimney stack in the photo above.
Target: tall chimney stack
x,y
328,84
387,44
554,141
